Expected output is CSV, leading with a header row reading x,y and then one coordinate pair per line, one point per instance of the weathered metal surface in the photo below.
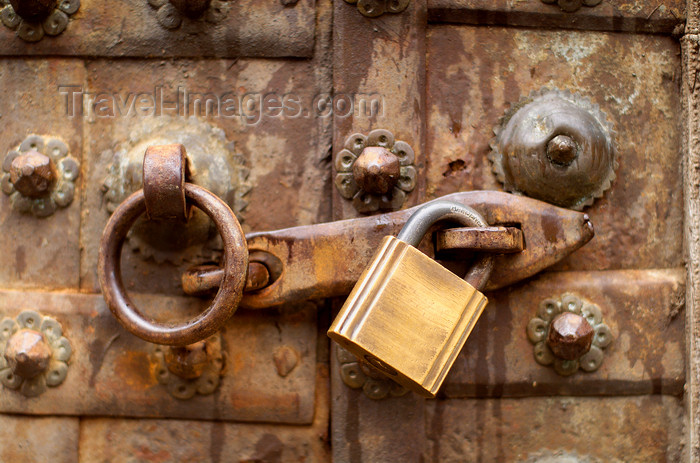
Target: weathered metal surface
x,y
611,15
548,430
290,189
39,253
557,147
26,438
309,254
643,309
130,441
114,373
264,28
690,134
634,79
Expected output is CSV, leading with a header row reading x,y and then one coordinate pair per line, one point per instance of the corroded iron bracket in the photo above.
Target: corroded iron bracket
x,y
304,264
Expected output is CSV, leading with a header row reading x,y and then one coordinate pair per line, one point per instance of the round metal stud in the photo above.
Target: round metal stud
x,y
375,171
39,176
33,353
557,147
568,332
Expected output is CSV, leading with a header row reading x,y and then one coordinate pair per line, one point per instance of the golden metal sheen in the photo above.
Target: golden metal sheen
x,y
410,312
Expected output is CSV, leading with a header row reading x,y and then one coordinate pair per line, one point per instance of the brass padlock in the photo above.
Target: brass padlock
x,y
409,316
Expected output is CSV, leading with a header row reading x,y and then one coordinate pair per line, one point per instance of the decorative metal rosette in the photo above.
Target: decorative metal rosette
x,y
557,147
40,353
374,8
368,200
52,23
170,16
360,375
62,183
212,163
539,328
204,384
572,5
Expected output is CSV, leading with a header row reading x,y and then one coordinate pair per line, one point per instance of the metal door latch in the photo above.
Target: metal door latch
x,y
266,269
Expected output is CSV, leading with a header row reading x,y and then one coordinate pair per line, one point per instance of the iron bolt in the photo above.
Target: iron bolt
x,y
33,9
27,353
32,174
377,170
569,336
187,362
562,150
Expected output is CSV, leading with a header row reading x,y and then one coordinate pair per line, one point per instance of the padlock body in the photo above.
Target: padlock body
x,y
408,316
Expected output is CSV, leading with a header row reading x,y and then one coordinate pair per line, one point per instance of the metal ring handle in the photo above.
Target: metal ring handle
x,y
436,211
225,303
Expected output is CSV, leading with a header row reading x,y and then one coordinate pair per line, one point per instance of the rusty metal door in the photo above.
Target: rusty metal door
x,y
266,96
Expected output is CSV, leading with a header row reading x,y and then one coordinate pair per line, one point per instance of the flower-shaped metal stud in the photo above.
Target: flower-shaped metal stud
x,y
189,370
31,19
39,176
171,13
573,5
357,374
569,334
557,147
33,353
374,8
375,171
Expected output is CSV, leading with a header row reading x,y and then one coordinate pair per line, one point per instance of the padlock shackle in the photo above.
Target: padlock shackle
x,y
435,211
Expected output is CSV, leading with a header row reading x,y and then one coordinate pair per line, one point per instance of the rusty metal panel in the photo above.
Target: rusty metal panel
x,y
643,309
611,15
596,430
126,440
24,438
39,252
113,373
264,28
282,151
634,79
38,439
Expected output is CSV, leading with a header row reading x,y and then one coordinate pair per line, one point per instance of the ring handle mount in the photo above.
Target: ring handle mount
x,y
225,303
